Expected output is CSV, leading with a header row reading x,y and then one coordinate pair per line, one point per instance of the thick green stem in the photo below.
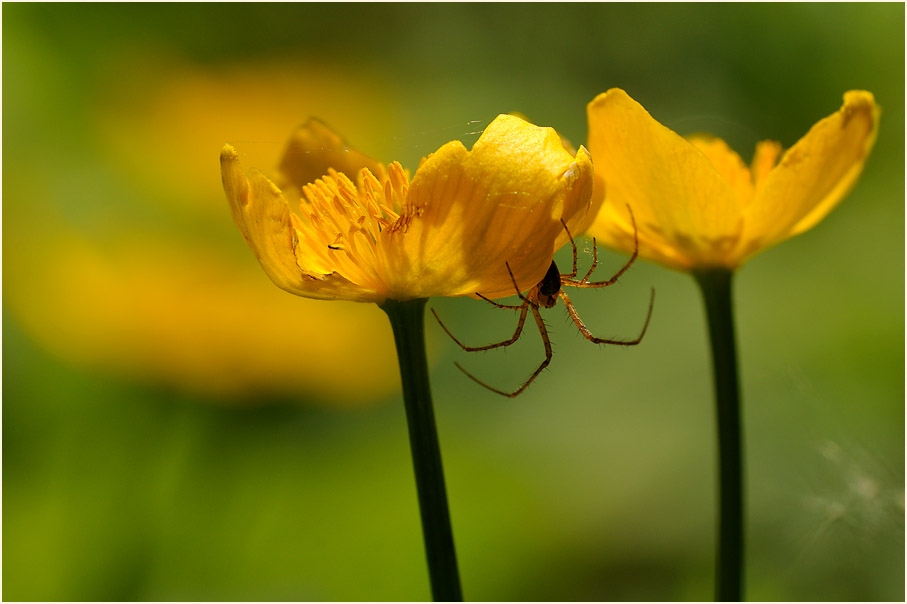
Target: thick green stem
x,y
716,291
407,321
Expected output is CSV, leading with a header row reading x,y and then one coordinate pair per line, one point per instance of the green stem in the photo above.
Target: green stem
x,y
716,291
407,321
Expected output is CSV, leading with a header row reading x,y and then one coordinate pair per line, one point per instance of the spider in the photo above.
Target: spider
x,y
545,295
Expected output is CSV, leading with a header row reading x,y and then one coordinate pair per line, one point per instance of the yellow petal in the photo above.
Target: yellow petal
x,y
580,222
581,217
814,175
470,213
764,160
686,212
314,149
263,217
729,165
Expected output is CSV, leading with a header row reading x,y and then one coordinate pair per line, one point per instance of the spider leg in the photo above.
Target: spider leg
x,y
523,308
518,293
588,334
572,243
516,334
530,302
585,281
507,306
594,262
548,355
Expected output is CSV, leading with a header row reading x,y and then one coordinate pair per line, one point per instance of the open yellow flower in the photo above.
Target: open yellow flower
x,y
697,205
368,233
699,208
468,223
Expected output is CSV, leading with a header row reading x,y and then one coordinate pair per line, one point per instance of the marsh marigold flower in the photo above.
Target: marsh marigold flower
x,y
697,205
367,233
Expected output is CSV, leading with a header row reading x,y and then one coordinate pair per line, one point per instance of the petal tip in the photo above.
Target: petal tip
x,y
228,153
861,101
602,97
859,97
582,162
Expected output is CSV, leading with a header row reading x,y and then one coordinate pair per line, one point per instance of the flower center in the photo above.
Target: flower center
x,y
342,222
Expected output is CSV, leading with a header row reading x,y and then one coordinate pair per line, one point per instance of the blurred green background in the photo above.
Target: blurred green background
x,y
176,427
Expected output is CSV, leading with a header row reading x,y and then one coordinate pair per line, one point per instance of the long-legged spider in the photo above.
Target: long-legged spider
x,y
545,295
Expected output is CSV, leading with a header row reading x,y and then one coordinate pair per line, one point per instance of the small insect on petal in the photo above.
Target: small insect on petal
x,y
337,244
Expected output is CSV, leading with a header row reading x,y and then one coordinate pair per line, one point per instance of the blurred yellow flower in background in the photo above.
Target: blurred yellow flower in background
x,y
180,315
697,205
450,231
142,281
195,108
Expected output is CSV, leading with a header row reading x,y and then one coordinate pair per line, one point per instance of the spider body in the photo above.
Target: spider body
x,y
548,288
545,295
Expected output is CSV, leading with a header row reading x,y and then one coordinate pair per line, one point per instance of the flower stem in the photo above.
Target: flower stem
x,y
407,321
715,285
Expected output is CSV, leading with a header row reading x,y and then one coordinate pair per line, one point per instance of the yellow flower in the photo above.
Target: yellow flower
x,y
185,109
154,290
367,233
166,311
696,204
